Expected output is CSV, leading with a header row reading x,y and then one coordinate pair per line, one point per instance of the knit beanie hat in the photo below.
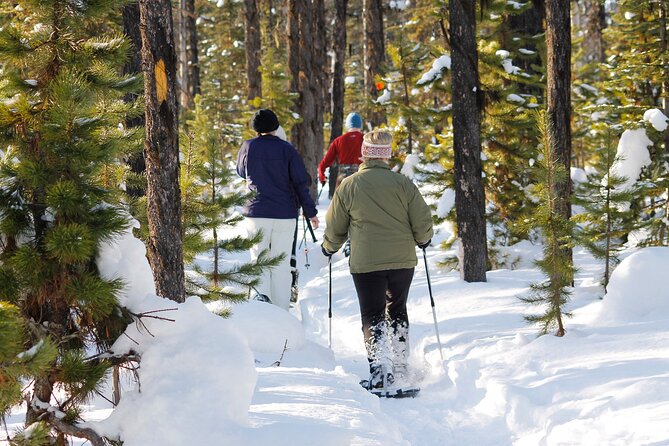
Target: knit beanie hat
x,y
265,121
377,144
353,121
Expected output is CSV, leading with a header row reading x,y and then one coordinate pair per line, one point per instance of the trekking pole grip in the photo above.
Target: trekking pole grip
x,y
311,229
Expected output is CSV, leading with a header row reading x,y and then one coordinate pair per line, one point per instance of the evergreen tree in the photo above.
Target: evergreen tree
x,y
606,218
637,76
407,117
557,233
60,111
209,205
511,82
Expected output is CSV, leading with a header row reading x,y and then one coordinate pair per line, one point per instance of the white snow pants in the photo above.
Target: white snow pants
x,y
278,239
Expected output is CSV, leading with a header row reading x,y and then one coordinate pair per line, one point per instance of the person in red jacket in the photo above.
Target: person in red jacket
x,y
345,149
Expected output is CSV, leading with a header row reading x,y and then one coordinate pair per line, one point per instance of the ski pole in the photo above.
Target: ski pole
x,y
330,304
434,313
311,229
306,248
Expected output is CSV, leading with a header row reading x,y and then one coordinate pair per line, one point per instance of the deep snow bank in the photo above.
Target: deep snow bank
x,y
638,288
197,373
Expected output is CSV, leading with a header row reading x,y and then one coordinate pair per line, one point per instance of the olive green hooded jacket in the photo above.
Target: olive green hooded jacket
x,y
384,215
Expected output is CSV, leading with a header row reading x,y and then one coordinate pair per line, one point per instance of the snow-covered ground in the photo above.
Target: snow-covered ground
x,y
605,383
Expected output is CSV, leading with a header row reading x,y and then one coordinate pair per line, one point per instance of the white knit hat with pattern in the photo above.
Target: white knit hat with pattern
x,y
377,144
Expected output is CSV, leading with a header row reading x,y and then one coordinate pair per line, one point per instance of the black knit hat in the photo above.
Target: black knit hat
x,y
265,121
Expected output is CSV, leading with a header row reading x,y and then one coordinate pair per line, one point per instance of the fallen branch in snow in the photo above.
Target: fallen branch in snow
x,y
73,430
278,363
137,317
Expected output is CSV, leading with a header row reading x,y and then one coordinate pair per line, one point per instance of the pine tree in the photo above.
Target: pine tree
x,y
557,233
60,111
209,205
511,81
606,218
637,76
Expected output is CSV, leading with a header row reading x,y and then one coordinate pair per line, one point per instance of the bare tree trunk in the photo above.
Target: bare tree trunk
x,y
189,70
469,193
595,22
374,52
339,72
558,74
306,59
338,87
528,24
664,6
134,66
192,57
252,44
161,149
180,43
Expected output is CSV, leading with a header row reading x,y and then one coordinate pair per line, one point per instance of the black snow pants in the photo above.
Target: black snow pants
x,y
383,296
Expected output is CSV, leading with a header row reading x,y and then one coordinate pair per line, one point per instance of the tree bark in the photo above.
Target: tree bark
x,y
134,66
192,68
374,52
528,24
469,193
558,103
595,22
161,149
339,71
180,45
306,59
252,45
664,42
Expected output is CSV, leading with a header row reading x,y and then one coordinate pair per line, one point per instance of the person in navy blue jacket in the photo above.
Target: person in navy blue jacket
x,y
278,181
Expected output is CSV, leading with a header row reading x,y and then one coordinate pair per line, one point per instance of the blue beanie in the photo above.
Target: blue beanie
x,y
353,121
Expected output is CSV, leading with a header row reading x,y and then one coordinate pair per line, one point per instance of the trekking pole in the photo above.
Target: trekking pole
x,y
311,229
306,248
434,313
330,304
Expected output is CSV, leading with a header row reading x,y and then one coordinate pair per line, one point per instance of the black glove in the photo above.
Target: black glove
x,y
323,183
326,253
424,245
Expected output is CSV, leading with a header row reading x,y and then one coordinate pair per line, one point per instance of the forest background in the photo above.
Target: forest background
x,y
112,108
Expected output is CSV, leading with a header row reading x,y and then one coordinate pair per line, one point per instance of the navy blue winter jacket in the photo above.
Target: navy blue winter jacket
x,y
276,175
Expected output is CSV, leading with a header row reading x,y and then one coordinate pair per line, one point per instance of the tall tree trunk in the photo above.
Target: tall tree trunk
x,y
664,42
595,22
189,70
337,87
339,71
558,104
180,43
374,52
161,149
134,66
252,45
306,59
528,24
192,67
469,193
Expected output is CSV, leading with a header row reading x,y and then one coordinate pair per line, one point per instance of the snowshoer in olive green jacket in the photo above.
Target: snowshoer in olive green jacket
x,y
385,217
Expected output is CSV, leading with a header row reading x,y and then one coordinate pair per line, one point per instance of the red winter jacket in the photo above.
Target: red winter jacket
x,y
345,148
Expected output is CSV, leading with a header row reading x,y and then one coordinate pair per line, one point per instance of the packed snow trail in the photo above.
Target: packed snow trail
x,y
499,383
210,381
